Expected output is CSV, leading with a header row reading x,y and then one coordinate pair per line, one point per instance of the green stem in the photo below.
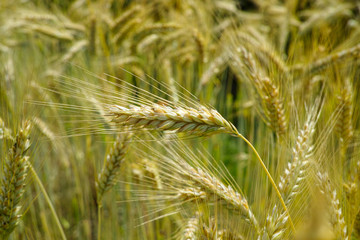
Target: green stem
x,y
269,176
52,209
99,221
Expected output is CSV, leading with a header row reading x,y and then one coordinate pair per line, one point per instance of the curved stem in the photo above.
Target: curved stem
x,y
269,176
47,198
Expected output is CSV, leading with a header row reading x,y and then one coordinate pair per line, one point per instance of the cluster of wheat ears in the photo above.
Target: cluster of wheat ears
x,y
180,119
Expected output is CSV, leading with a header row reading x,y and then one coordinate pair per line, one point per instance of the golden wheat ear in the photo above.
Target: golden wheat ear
x,y
268,92
5,133
332,59
197,121
344,125
191,230
133,108
356,227
188,183
294,174
212,231
13,181
336,218
112,164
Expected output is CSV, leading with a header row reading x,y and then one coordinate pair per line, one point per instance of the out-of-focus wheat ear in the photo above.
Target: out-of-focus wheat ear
x,y
74,49
274,106
157,28
351,192
151,172
269,93
52,32
203,185
354,204
200,121
127,28
264,49
275,225
232,199
170,79
56,145
216,66
147,42
335,211
195,195
124,17
326,13
212,232
200,44
356,226
15,170
344,125
191,229
226,234
107,176
5,133
322,63
209,231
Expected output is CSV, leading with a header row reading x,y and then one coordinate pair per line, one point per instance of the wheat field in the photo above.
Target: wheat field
x,y
180,119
